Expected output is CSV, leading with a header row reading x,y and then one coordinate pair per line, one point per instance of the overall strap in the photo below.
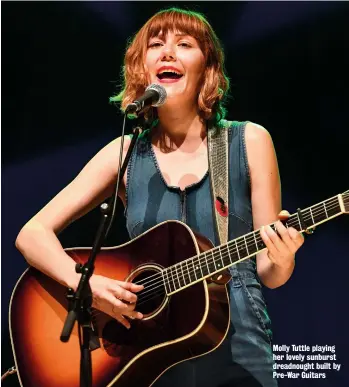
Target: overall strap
x,y
218,161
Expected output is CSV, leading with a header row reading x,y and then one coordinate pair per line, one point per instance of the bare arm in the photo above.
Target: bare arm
x,y
37,240
266,206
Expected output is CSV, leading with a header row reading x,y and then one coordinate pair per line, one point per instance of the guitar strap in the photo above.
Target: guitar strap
x,y
218,161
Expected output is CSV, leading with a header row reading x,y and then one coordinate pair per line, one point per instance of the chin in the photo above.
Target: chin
x,y
174,90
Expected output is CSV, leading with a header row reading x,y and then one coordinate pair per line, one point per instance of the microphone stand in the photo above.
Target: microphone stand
x,y
80,302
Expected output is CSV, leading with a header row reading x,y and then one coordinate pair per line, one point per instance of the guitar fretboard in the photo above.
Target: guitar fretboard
x,y
206,264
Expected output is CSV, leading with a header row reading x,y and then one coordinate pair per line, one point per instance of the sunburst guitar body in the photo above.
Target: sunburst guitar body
x,y
175,327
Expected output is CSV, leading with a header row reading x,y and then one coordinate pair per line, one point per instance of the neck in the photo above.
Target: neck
x,y
179,128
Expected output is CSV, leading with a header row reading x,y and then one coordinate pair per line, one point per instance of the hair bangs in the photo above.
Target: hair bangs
x,y
184,22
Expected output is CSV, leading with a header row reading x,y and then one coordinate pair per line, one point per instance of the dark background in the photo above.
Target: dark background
x,y
288,67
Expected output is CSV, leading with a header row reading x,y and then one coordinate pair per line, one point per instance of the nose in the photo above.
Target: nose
x,y
168,53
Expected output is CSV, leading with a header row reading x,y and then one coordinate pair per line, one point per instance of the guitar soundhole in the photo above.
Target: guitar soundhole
x,y
151,298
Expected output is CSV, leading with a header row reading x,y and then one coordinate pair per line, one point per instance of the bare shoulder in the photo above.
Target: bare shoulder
x,y
111,151
256,133
260,147
127,142
264,171
105,162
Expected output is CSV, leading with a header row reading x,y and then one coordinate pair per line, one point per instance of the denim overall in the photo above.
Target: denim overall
x,y
244,359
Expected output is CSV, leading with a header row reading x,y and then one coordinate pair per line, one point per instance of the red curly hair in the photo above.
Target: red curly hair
x,y
216,83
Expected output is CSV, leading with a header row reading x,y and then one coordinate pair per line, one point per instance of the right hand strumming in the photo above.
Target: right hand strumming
x,y
116,298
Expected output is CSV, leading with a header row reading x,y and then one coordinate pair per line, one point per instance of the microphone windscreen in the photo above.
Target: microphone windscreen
x,y
161,91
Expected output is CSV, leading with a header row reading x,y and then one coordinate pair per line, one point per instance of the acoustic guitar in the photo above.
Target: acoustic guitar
x,y
184,302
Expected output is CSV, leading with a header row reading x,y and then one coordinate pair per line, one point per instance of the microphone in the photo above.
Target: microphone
x,y
155,95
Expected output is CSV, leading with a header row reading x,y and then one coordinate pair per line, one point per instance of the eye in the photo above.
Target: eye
x,y
185,44
154,44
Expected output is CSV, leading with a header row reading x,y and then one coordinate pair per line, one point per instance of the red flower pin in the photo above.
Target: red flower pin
x,y
221,207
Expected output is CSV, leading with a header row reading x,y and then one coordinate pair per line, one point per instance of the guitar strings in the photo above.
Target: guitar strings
x,y
186,273
295,222
291,221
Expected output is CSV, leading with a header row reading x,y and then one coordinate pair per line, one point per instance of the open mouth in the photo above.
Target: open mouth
x,y
169,75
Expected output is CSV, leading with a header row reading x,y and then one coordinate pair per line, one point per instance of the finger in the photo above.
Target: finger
x,y
297,237
113,308
275,239
268,242
130,286
106,300
123,294
134,315
286,237
115,305
122,320
130,311
284,214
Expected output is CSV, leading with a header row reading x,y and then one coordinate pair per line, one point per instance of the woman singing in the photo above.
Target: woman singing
x,y
168,178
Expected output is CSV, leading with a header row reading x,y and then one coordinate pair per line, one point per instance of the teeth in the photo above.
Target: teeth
x,y
169,71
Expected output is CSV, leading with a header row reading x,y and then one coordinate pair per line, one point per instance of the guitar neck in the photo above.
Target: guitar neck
x,y
204,265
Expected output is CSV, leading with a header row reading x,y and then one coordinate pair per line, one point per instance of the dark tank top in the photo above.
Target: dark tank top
x,y
149,200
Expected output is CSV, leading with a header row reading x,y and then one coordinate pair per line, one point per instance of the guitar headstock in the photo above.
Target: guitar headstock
x,y
345,198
